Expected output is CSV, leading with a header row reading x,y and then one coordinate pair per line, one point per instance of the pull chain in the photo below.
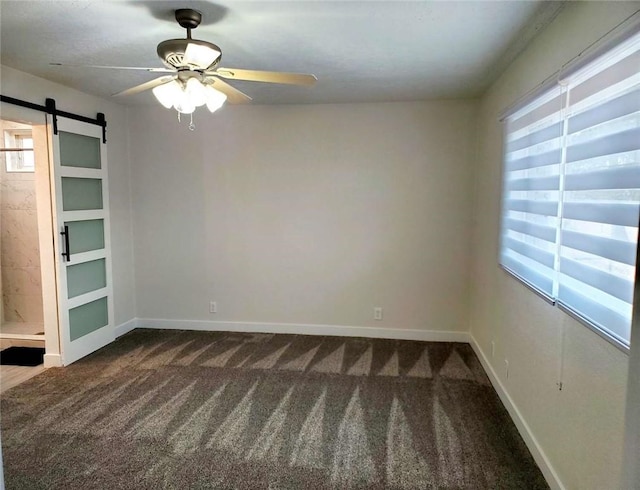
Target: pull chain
x,y
192,125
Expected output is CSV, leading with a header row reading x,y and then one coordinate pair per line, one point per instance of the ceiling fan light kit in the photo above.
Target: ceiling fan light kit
x,y
195,78
184,97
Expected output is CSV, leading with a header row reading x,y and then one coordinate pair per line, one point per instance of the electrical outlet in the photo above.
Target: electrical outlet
x,y
493,349
506,369
377,313
213,307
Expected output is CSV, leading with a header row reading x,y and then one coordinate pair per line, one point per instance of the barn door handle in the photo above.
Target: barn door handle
x,y
67,250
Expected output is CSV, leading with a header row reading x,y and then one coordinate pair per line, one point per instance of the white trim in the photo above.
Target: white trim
x,y
89,297
306,329
126,327
81,172
523,428
82,257
42,142
21,336
88,214
52,360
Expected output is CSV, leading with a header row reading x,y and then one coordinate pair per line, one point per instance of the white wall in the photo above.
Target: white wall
x,y
581,428
305,214
33,89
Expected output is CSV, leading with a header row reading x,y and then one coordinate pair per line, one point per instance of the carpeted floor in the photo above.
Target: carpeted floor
x,y
175,409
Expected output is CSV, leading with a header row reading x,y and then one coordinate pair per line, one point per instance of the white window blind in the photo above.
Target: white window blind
x,y
533,154
571,197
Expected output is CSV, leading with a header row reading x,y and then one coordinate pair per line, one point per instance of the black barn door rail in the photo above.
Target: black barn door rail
x,y
50,108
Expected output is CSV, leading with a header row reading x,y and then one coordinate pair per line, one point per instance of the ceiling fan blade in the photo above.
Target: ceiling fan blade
x,y
147,85
266,76
139,68
234,96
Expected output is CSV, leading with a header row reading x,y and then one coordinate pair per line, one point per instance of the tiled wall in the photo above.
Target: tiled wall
x,y
19,250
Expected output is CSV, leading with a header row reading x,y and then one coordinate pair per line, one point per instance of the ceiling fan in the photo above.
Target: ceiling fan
x,y
193,75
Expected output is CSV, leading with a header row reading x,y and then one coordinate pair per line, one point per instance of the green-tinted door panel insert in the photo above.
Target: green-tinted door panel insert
x,y
78,150
86,277
85,235
81,194
88,318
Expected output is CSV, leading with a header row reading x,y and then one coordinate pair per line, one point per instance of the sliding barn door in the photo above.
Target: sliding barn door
x,y
82,240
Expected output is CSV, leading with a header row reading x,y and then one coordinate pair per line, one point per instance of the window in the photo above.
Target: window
x,y
571,194
19,150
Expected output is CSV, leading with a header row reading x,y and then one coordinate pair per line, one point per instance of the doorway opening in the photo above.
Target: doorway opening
x,y
21,278
27,269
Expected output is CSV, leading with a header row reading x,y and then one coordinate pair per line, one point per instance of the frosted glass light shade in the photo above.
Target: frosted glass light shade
x,y
215,98
196,92
167,93
200,56
183,104
185,97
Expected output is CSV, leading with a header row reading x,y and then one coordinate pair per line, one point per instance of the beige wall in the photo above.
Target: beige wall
x,y
580,429
631,469
19,248
305,214
33,89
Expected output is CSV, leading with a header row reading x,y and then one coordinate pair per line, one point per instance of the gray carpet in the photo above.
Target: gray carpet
x,y
175,409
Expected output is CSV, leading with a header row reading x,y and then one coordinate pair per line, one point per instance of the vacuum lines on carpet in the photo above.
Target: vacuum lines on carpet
x,y
177,409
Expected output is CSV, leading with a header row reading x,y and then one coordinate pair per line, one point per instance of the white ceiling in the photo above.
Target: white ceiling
x,y
360,51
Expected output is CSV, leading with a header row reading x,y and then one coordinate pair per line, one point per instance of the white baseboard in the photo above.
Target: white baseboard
x,y
52,360
126,327
306,329
523,428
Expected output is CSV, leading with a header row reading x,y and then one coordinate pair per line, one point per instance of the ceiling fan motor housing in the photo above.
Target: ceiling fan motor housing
x,y
171,52
188,18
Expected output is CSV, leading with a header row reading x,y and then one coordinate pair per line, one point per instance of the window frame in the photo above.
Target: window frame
x,y
14,151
